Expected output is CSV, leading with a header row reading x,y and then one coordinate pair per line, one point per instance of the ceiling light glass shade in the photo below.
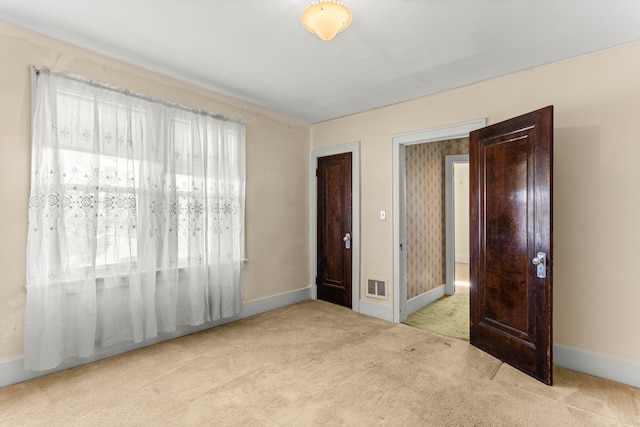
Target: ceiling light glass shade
x,y
326,18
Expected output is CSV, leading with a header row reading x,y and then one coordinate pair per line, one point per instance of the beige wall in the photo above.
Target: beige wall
x,y
277,171
596,199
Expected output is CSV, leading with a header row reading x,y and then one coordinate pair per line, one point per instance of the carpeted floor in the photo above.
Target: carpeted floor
x,y
313,364
447,316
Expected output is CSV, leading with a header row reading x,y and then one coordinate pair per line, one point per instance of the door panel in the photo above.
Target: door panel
x,y
511,221
334,223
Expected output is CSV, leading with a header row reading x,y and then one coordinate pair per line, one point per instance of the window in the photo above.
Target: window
x,y
136,218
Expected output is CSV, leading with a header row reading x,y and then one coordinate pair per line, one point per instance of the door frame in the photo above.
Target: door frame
x,y
354,149
450,222
400,142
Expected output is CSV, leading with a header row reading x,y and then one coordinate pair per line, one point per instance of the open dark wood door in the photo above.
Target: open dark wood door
x,y
510,225
334,229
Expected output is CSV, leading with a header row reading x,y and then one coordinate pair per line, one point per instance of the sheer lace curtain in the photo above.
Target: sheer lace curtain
x,y
136,219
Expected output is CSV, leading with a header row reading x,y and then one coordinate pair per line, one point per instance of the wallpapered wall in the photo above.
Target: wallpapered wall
x,y
426,238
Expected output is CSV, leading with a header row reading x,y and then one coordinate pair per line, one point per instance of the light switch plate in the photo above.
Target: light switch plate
x,y
383,215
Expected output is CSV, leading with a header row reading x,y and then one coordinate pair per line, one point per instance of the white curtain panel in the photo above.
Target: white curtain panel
x,y
136,219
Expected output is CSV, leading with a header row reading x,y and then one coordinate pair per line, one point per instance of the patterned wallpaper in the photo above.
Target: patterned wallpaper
x,y
426,238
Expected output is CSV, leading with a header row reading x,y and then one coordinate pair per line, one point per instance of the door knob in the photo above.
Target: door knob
x,y
540,261
347,241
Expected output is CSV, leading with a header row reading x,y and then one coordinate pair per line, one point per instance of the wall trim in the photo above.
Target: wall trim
x,y
374,309
597,364
12,370
416,303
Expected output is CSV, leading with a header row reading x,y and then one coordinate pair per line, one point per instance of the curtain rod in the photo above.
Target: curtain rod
x,y
102,85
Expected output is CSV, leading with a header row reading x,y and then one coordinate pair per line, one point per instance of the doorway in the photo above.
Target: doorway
x,y
334,218
354,149
404,305
449,314
519,151
437,227
457,223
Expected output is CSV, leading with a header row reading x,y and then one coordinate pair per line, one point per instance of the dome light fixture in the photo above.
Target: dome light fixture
x,y
326,18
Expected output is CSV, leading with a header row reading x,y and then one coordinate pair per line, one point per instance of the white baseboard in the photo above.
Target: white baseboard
x,y
12,370
596,364
374,309
416,303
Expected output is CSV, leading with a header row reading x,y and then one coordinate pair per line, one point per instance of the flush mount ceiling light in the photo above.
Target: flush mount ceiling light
x,y
326,18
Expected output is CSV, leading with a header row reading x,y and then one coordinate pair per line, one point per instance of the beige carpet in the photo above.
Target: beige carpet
x,y
313,364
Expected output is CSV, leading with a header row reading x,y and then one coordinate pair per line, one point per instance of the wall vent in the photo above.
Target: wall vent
x,y
376,288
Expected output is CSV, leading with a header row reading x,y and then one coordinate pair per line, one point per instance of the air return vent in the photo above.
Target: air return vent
x,y
376,288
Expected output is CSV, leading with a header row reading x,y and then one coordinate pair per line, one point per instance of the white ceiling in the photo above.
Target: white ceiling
x,y
394,50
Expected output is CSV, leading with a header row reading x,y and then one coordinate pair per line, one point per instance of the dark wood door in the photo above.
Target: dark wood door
x,y
511,222
334,229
